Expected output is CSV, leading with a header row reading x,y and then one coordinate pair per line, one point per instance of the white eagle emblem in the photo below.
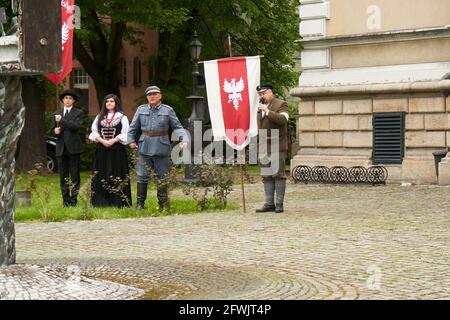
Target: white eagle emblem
x,y
64,34
65,4
234,91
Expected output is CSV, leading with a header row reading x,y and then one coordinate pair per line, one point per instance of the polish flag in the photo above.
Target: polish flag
x,y
67,11
233,99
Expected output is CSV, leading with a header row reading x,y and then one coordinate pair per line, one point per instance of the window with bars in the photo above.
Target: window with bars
x,y
388,137
137,80
80,79
123,72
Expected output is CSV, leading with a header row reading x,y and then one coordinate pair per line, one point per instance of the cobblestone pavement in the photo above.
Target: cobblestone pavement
x,y
332,242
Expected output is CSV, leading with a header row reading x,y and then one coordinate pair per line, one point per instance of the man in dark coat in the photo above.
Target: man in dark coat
x,y
273,117
65,125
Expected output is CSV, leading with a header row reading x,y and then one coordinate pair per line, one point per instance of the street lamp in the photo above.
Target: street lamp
x,y
2,21
197,115
195,48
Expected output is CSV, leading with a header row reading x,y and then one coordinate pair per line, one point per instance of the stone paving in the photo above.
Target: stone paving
x,y
332,242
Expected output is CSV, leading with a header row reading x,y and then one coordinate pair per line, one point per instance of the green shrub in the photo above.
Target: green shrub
x,y
213,181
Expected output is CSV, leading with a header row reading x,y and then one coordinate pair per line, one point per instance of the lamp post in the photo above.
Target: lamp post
x,y
195,48
196,119
2,21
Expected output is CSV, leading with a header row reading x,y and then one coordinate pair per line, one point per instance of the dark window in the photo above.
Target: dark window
x,y
123,73
388,137
137,71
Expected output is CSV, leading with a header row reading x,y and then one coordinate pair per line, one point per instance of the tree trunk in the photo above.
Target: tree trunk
x,y
100,59
105,78
12,118
31,147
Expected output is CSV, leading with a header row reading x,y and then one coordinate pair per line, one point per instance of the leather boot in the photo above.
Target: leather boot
x,y
141,195
280,189
163,198
269,189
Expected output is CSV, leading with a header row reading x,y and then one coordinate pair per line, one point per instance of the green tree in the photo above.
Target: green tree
x,y
256,27
106,24
263,27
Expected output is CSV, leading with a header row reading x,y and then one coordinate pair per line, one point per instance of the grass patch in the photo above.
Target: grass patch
x,y
46,203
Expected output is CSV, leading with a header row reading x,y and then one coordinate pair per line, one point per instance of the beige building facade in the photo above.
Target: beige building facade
x,y
374,87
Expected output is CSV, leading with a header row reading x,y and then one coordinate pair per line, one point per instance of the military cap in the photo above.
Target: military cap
x,y
263,87
152,89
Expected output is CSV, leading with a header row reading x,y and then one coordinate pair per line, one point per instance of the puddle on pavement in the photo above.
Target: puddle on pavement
x,y
162,291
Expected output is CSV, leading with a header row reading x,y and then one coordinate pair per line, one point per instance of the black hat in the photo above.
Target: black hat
x,y
263,87
68,92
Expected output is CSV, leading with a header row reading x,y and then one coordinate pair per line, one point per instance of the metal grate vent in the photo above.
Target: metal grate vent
x,y
388,137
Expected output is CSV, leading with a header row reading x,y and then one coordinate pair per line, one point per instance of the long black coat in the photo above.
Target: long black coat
x,y
69,137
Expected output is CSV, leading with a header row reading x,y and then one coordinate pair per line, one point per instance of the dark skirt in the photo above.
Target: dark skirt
x,y
111,179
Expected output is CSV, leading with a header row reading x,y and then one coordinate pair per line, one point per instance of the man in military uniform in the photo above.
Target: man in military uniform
x,y
273,114
149,134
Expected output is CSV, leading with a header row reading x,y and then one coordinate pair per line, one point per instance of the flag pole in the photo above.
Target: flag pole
x,y
57,102
242,186
57,97
229,45
240,165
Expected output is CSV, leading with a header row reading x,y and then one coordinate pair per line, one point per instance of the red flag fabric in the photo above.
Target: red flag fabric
x,y
67,11
233,99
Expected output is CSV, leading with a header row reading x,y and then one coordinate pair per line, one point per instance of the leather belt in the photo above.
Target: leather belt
x,y
155,134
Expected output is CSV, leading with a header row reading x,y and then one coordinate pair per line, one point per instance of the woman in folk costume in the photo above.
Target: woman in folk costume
x,y
111,179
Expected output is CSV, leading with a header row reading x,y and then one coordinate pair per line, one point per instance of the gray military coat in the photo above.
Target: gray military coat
x,y
155,120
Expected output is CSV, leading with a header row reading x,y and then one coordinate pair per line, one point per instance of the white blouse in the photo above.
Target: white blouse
x,y
123,133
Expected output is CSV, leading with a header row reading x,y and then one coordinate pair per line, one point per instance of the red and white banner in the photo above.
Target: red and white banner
x,y
67,15
233,99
